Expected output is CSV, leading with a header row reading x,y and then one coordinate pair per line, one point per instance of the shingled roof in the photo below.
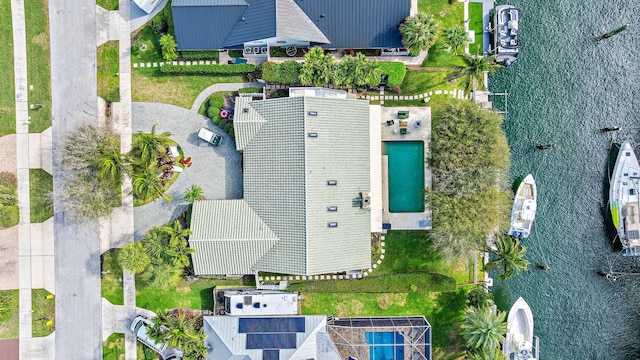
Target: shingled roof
x,y
356,24
291,148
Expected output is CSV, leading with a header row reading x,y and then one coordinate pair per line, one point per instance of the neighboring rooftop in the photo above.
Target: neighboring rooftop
x,y
356,24
260,302
306,165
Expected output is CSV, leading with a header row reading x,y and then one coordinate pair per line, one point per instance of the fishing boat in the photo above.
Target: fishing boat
x,y
505,37
524,208
624,199
518,344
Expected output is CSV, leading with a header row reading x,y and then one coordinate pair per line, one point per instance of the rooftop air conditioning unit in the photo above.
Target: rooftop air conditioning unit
x,y
248,50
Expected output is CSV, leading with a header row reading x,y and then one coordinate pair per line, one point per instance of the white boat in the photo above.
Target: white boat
x,y
524,208
518,344
505,38
624,200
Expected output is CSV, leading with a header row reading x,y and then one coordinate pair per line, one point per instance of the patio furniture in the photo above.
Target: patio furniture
x,y
417,123
403,131
403,123
390,122
403,114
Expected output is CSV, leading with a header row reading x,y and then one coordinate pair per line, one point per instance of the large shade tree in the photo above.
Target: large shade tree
x,y
146,146
484,329
134,258
509,257
474,67
419,31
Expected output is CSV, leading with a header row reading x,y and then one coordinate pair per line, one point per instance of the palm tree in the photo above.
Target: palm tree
x,y
456,37
176,234
194,193
477,354
180,330
111,164
164,275
134,258
317,68
475,66
169,47
510,257
147,145
484,328
419,32
148,184
366,72
156,241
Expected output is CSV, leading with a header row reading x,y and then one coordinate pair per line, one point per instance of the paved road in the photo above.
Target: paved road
x,y
216,169
77,251
220,87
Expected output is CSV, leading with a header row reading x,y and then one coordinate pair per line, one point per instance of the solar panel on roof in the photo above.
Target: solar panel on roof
x,y
271,325
271,341
271,355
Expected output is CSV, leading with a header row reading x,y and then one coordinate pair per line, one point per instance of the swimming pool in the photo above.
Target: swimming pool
x,y
406,175
383,347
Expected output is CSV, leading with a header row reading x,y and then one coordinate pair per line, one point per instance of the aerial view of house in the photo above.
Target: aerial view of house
x,y
318,180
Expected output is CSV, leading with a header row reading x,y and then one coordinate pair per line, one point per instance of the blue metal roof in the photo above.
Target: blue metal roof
x,y
355,24
358,24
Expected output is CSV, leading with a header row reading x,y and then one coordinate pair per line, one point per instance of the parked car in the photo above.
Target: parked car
x,y
140,327
210,137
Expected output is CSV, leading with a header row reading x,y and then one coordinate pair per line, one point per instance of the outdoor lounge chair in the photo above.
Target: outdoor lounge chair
x,y
403,114
390,122
403,131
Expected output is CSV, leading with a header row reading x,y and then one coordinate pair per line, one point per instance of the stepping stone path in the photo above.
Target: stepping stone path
x,y
455,93
188,63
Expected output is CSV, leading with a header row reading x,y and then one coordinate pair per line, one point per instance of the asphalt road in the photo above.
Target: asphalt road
x,y
77,254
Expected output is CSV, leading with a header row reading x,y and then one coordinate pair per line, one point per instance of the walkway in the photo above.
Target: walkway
x,y
216,169
77,250
220,87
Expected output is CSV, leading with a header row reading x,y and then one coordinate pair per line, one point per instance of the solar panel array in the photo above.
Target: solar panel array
x,y
271,333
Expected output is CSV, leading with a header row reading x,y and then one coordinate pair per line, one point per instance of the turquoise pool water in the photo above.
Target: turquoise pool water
x,y
406,175
383,347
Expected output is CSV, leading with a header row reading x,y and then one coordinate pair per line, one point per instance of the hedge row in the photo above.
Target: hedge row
x,y
422,282
286,72
199,55
208,69
395,70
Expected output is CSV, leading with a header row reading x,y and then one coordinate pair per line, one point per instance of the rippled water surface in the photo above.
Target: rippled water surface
x,y
564,87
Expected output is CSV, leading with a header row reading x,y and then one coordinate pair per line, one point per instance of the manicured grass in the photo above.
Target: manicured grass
x,y
40,190
447,15
7,95
151,40
444,311
475,23
9,212
196,294
38,63
417,82
107,67
423,282
144,353
108,4
440,57
181,90
43,310
409,251
395,70
111,283
113,348
9,313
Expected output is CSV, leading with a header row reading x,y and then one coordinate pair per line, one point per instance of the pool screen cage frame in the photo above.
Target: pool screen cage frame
x,y
348,336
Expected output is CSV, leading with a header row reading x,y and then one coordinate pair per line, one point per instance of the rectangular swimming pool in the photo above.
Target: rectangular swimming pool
x,y
406,175
385,345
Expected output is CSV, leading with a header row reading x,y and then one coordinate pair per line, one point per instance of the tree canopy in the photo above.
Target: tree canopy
x,y
475,66
456,37
509,257
485,329
419,31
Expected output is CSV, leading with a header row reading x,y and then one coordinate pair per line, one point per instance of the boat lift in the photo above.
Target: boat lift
x,y
506,95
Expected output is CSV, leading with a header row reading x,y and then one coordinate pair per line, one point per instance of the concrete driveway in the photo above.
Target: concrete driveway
x,y
216,169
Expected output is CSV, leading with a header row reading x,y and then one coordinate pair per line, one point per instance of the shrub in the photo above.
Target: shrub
x,y
216,101
235,53
227,127
168,16
395,70
290,72
213,111
208,69
159,24
414,52
9,216
231,133
216,120
169,48
270,71
250,90
137,43
477,297
200,55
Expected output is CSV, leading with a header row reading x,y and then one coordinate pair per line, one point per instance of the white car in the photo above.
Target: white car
x,y
210,137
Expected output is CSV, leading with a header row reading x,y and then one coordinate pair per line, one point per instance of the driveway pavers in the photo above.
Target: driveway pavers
x,y
216,169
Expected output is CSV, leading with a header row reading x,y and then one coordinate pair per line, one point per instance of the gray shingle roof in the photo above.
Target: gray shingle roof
x,y
285,188
218,24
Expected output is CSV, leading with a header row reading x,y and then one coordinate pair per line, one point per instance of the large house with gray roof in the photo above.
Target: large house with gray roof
x,y
307,180
256,25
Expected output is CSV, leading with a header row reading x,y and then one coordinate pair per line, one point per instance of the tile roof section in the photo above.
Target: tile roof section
x,y
245,124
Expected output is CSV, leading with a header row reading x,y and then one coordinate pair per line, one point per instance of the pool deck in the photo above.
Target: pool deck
x,y
402,221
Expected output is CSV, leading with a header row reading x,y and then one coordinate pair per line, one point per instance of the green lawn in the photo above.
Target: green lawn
x,y
150,85
145,36
7,95
9,313
475,23
440,57
196,294
108,4
40,190
43,310
38,63
113,348
447,15
418,82
111,283
107,67
422,282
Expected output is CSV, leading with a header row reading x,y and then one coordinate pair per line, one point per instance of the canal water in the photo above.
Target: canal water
x,y
564,87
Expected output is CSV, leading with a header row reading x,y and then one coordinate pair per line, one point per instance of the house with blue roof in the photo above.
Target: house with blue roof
x,y
256,25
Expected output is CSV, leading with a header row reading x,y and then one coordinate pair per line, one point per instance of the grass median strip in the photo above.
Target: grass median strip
x,y
113,348
108,65
9,314
38,63
44,312
40,190
7,97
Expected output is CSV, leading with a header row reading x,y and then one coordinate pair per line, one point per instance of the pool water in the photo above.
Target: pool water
x,y
406,175
383,347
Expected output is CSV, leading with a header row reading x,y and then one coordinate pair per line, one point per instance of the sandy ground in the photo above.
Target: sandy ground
x,y
8,146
